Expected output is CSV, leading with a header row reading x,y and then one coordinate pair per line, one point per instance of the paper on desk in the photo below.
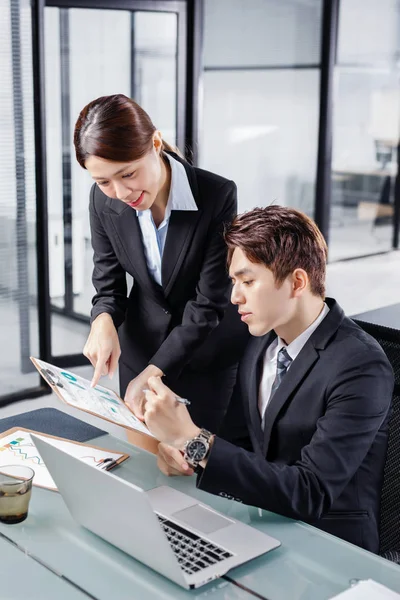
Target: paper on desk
x,y
18,448
368,590
99,401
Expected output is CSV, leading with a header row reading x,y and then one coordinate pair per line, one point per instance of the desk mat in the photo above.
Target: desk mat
x,y
54,422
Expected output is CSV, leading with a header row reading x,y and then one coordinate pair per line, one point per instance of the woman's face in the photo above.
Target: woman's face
x,y
136,183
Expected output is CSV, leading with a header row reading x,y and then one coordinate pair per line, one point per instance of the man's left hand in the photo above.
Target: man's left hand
x,y
168,420
171,462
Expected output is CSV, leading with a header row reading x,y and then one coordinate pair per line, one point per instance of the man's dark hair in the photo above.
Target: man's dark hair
x,y
283,239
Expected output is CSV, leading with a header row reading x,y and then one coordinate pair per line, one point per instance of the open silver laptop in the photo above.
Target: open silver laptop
x,y
169,531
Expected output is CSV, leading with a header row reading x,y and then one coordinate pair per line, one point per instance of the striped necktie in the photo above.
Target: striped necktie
x,y
282,364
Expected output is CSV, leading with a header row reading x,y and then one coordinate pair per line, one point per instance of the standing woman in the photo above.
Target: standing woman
x,y
156,217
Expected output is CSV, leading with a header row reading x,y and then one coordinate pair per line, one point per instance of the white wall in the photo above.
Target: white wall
x,y
369,31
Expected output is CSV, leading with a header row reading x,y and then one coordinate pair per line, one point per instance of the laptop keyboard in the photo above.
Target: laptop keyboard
x,y
194,553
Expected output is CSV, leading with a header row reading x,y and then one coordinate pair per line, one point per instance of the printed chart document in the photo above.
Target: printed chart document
x,y
99,401
18,448
368,590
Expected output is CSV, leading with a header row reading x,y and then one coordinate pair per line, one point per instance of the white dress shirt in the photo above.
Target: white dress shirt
x,y
270,359
180,198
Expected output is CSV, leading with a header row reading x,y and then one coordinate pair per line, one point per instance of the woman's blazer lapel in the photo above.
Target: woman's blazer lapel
x,y
181,227
129,239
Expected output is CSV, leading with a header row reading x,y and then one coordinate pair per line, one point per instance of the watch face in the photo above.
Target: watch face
x,y
196,450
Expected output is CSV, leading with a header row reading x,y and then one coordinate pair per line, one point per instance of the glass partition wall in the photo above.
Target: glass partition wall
x,y
56,56
301,107
18,259
91,53
261,80
366,127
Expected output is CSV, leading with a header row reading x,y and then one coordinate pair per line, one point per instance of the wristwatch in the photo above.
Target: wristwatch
x,y
196,449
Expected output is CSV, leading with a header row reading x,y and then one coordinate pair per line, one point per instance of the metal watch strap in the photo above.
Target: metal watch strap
x,y
205,436
198,469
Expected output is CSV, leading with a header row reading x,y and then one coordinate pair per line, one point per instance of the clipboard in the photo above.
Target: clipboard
x,y
99,401
17,447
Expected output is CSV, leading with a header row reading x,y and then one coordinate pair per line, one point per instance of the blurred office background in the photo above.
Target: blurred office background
x,y
298,101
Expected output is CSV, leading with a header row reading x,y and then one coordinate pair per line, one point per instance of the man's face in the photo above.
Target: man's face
x,y
262,304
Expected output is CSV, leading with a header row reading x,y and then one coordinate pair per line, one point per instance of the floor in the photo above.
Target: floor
x,y
358,285
365,283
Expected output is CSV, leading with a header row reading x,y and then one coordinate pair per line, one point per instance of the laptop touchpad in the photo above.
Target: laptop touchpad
x,y
202,518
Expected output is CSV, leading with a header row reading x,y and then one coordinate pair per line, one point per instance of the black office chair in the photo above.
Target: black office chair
x,y
389,339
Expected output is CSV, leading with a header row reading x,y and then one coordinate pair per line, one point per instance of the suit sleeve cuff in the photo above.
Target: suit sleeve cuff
x,y
97,311
169,365
215,477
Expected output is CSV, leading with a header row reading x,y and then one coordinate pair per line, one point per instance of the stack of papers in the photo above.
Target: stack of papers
x,y
368,590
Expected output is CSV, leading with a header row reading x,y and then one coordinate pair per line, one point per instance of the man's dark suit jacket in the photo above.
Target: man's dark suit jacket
x,y
322,453
183,325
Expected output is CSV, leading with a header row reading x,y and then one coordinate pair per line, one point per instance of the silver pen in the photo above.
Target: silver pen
x,y
184,401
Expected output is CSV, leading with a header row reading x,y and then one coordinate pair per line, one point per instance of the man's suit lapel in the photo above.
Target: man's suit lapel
x,y
296,373
129,238
254,384
301,366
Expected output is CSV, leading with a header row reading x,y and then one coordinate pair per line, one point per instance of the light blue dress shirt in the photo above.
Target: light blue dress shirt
x,y
180,198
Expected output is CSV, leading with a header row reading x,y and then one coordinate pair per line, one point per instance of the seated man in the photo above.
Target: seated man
x,y
306,432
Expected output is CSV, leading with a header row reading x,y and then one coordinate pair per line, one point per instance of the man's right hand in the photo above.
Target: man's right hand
x,y
102,347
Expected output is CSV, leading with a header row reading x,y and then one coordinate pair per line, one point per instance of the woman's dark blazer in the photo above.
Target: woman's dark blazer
x,y
185,324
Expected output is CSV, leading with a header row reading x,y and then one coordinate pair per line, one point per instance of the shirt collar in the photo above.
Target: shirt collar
x,y
180,194
294,348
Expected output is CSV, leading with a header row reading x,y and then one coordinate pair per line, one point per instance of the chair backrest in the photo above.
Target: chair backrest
x,y
389,339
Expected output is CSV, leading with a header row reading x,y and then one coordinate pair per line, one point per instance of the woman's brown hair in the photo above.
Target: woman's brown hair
x,y
114,128
283,239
